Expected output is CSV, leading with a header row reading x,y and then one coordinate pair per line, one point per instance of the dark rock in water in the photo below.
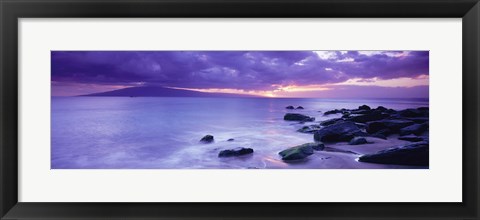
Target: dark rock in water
x,y
317,146
416,129
418,120
235,152
231,139
309,129
359,112
379,135
299,107
330,121
207,139
297,152
394,125
415,154
290,107
411,138
413,113
423,108
335,111
364,107
361,125
381,108
385,132
358,141
391,111
373,116
297,117
341,131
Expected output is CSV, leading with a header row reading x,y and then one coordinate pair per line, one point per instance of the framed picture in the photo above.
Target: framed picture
x,y
225,109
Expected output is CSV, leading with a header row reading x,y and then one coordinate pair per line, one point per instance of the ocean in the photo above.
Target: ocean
x,y
164,132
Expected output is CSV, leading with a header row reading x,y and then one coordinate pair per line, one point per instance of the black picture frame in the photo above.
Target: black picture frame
x,y
12,10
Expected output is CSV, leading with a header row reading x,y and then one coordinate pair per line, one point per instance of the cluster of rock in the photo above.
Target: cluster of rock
x,y
291,107
355,124
239,151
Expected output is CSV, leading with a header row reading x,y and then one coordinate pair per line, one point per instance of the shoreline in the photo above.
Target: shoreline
x,y
362,138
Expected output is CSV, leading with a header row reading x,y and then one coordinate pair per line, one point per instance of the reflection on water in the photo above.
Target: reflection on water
x,y
161,132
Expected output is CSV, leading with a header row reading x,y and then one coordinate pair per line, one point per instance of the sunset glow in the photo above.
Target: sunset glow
x,y
258,73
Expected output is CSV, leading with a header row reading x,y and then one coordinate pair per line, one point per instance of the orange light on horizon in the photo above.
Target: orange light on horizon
x,y
230,91
277,92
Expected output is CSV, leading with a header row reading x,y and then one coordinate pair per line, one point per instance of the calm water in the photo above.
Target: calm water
x,y
160,132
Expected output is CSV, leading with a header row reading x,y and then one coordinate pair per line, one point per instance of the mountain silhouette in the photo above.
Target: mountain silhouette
x,y
153,91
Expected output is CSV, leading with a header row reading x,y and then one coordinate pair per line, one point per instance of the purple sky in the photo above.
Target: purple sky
x,y
324,74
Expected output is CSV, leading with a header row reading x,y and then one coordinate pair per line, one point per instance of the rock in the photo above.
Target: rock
x,y
391,111
423,108
207,139
415,154
317,146
358,141
330,121
235,152
231,139
361,125
364,107
394,125
309,129
372,116
297,152
297,117
384,132
381,108
359,112
336,111
411,138
413,113
418,120
341,131
290,107
346,115
381,136
416,129
299,107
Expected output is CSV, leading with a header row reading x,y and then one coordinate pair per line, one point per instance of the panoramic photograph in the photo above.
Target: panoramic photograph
x,y
240,109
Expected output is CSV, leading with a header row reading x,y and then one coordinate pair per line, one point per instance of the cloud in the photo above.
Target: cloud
x,y
242,70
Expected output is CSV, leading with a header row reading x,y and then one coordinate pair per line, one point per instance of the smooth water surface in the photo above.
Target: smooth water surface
x,y
164,132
